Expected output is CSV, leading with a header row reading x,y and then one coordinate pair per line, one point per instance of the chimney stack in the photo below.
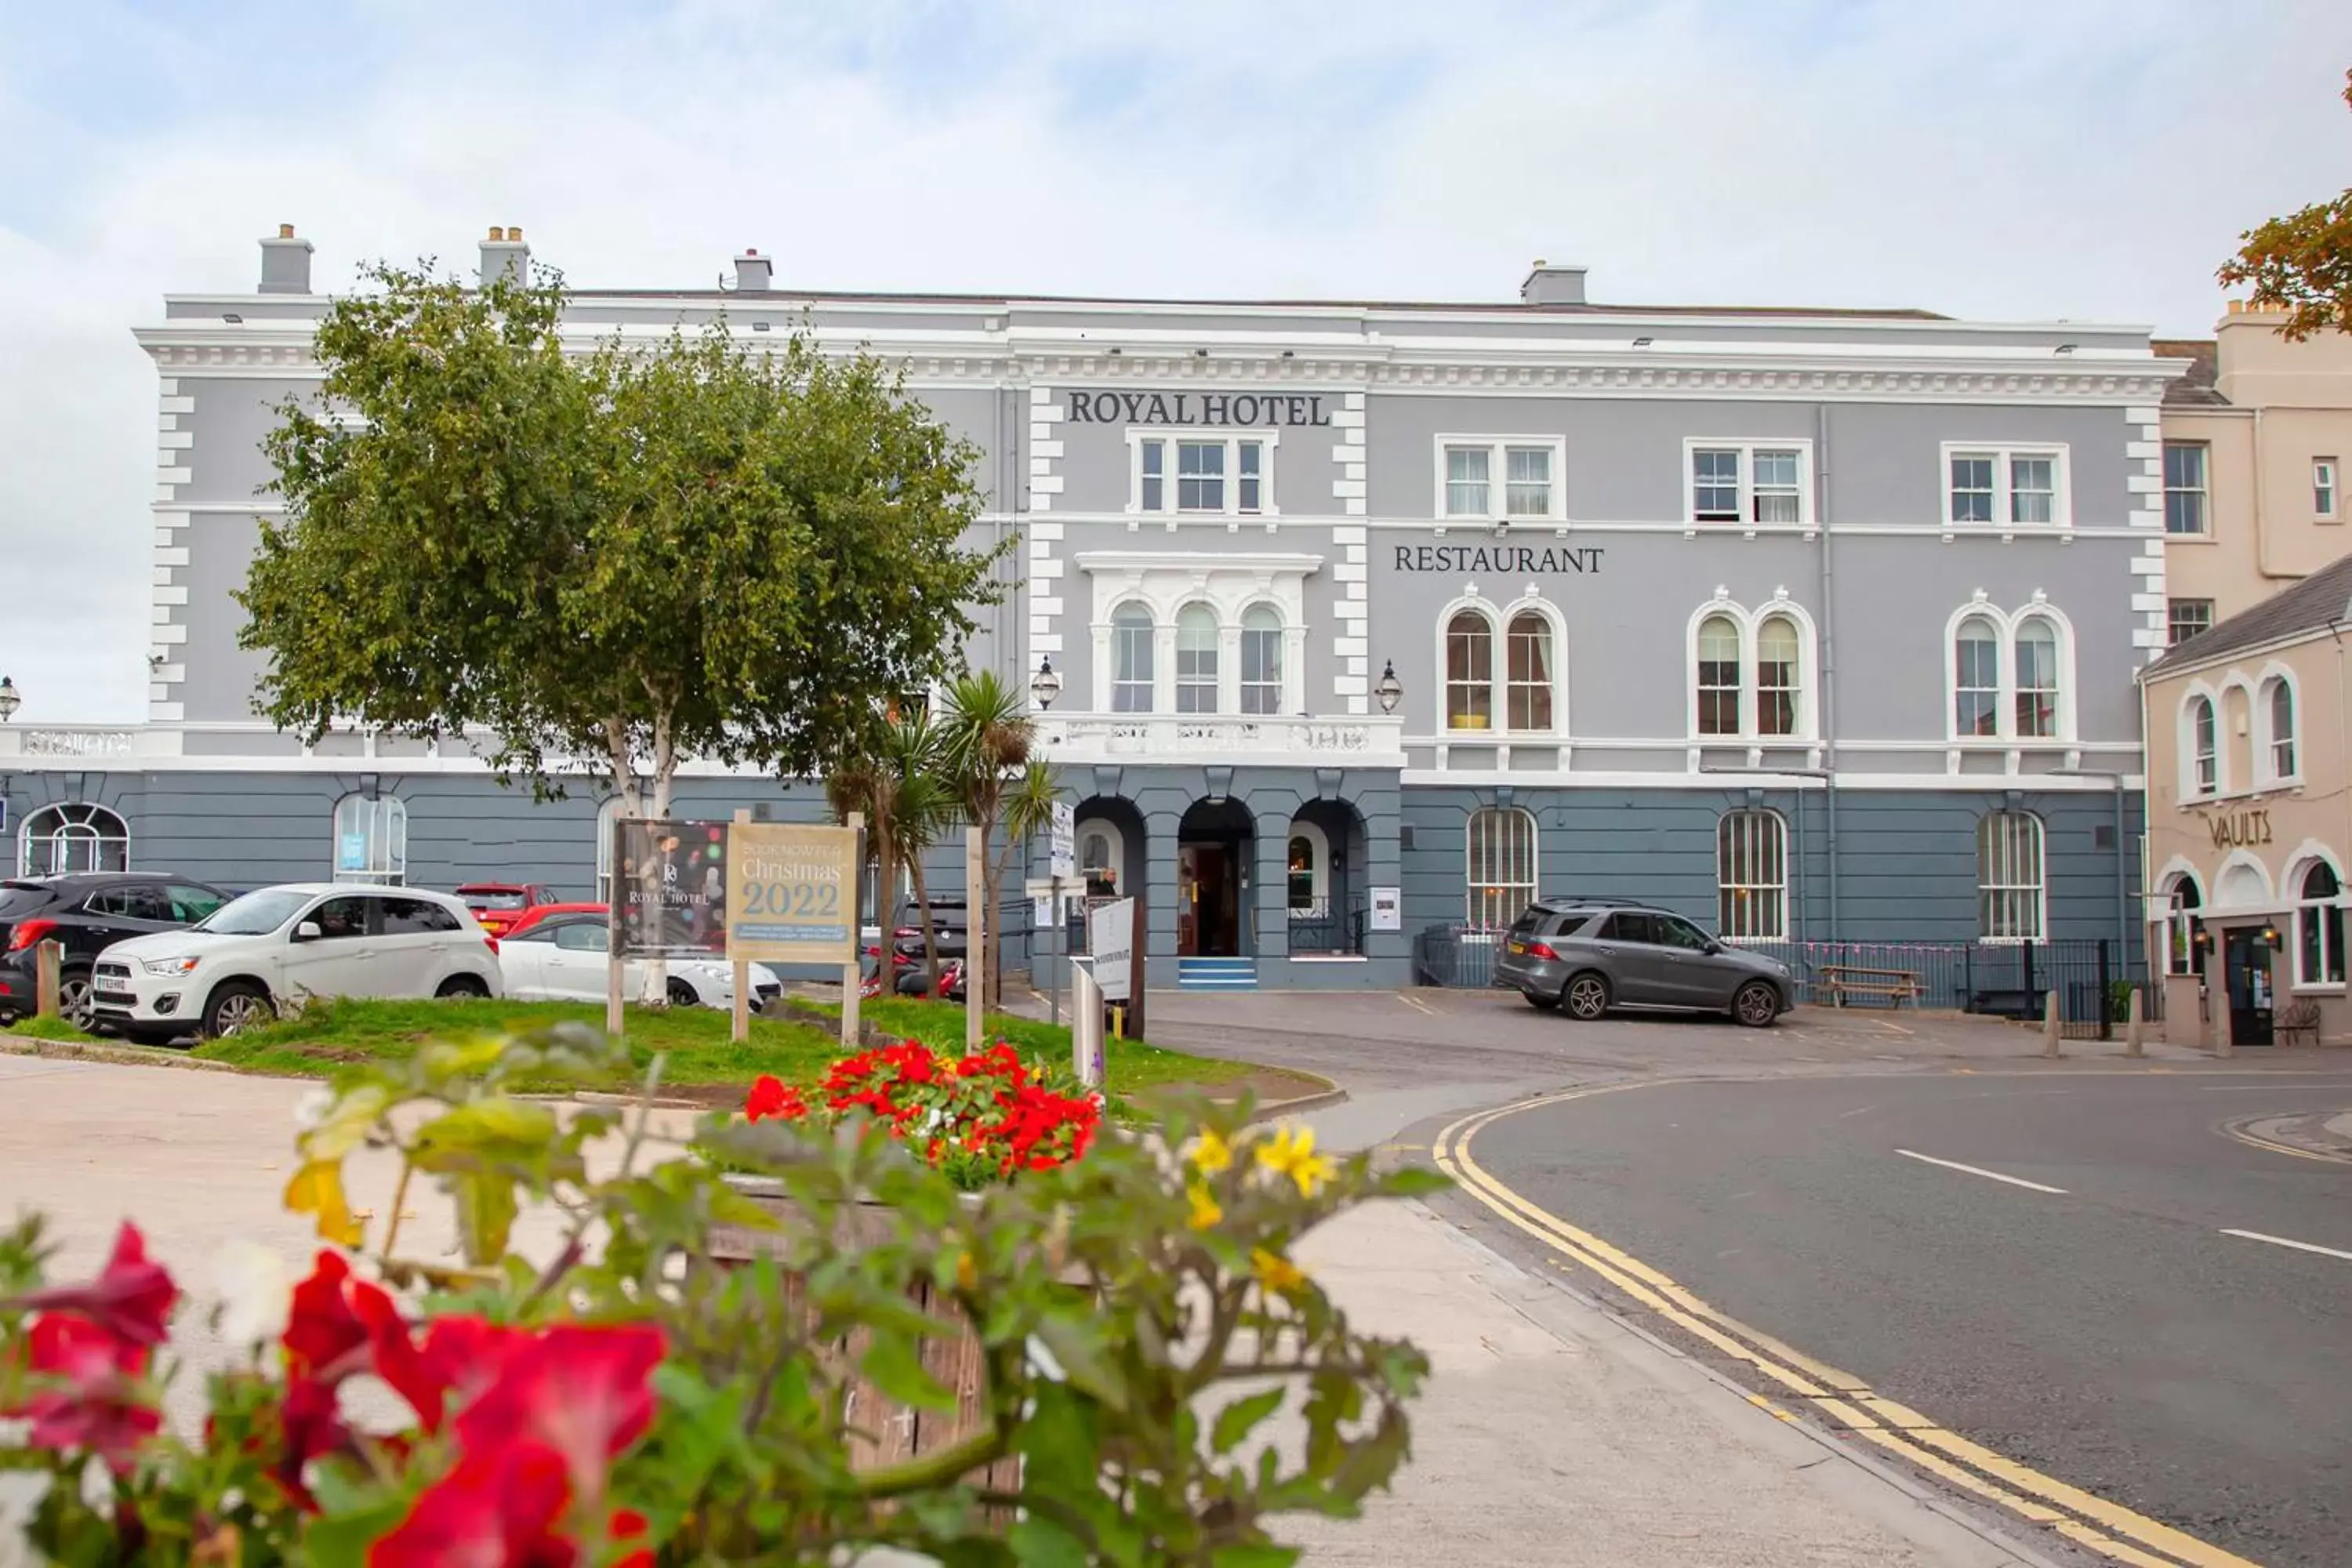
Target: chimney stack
x,y
285,263
504,255
1549,285
753,271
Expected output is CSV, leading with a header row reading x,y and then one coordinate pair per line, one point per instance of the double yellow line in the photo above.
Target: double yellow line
x,y
1843,1399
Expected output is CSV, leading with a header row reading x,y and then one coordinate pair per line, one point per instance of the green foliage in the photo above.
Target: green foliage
x,y
639,554
2302,263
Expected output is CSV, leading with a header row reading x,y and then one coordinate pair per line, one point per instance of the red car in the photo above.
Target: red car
x,y
499,904
522,919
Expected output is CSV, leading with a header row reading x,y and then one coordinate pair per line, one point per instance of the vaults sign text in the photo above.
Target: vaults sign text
x,y
2240,830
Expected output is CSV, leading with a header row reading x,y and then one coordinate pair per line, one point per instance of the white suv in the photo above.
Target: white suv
x,y
230,971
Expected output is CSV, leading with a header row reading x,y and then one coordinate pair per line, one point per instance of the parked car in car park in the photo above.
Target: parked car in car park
x,y
498,905
562,953
1589,956
232,970
85,913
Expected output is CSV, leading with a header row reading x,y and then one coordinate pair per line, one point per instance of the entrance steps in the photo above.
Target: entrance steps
x,y
1216,974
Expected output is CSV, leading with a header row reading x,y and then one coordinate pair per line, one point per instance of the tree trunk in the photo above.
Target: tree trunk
x,y
886,913
931,933
656,993
995,874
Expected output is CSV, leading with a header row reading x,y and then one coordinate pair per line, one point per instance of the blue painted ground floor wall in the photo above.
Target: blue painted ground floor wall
x,y
1905,865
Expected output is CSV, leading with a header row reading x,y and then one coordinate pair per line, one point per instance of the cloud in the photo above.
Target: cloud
x,y
2093,160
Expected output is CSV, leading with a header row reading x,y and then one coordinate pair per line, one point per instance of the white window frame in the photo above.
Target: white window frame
x,y
1512,686
2004,501
75,827
2172,619
383,819
2015,892
1499,617
2263,718
1215,682
2330,977
1446,682
1265,438
1244,685
1319,866
2327,490
1747,447
1754,907
2204,773
1160,582
2006,626
1499,478
1112,683
2202,489
1483,901
2017,689
1749,624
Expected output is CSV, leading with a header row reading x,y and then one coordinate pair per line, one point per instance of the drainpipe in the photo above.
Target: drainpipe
x,y
1829,655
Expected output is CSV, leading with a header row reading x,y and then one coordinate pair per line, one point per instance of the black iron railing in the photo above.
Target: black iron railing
x,y
1320,927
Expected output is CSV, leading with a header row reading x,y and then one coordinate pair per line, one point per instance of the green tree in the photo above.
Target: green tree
x,y
605,563
988,743
907,804
2302,263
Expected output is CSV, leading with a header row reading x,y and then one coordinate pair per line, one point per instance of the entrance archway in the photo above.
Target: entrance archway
x,y
1214,845
1325,903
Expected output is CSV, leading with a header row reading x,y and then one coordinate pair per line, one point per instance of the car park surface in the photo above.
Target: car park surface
x,y
259,952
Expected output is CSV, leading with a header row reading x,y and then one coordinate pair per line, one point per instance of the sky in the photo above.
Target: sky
x,y
2089,160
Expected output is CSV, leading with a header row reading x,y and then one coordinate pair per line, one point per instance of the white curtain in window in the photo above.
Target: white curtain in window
x,y
1528,675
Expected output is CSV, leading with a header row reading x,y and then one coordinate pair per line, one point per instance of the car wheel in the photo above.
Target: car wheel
x,y
681,994
1755,1004
76,1004
233,1008
470,986
1586,997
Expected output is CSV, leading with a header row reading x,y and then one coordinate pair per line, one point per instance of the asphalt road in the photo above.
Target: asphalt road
x,y
2109,1334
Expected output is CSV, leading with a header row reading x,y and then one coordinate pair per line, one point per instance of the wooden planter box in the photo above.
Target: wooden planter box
x,y
884,1431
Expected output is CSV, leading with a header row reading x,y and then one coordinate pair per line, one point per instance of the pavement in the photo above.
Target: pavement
x,y
2111,1277
1555,1430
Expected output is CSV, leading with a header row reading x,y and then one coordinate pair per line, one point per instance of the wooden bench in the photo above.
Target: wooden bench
x,y
1893,986
2296,1018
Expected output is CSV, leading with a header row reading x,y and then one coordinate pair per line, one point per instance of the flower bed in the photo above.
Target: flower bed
x,y
1104,1323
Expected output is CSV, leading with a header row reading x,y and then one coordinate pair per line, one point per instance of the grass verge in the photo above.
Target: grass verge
x,y
330,1034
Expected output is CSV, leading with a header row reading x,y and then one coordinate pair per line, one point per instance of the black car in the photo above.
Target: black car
x,y
88,912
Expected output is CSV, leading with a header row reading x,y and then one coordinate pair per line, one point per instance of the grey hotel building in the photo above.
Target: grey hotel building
x,y
1371,620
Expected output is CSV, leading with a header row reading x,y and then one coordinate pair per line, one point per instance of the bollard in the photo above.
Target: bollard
x,y
48,960
2050,1024
2135,1026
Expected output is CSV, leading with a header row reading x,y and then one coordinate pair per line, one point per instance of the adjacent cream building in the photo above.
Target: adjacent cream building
x,y
2255,439
2249,819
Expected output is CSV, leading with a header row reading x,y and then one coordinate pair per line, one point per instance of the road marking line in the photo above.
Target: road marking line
x,y
1881,1421
1979,1171
1415,1003
2283,1241
2252,1141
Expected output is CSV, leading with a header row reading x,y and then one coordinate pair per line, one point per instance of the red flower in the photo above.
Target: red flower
x,y
772,1096
94,1404
580,1390
309,1424
130,1298
499,1511
322,1326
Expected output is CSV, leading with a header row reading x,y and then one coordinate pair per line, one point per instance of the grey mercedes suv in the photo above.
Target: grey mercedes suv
x,y
1586,956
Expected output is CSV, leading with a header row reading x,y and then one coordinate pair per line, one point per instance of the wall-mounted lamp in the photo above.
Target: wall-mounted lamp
x,y
1045,685
1389,689
9,700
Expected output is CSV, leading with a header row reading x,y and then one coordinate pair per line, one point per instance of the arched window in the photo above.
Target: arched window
x,y
1501,868
1102,858
1469,671
1719,676
2010,878
71,837
2281,729
1776,652
1130,660
1528,681
1261,660
2037,679
371,839
1196,659
1976,679
2205,745
607,815
2182,926
1752,875
2319,928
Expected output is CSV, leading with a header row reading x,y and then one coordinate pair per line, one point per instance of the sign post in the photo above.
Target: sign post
x,y
853,989
792,898
741,966
980,917
1063,866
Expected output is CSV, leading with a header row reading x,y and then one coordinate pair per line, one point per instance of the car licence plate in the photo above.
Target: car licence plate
x,y
1519,947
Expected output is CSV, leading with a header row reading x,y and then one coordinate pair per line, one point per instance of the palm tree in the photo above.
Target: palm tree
x,y
988,739
907,803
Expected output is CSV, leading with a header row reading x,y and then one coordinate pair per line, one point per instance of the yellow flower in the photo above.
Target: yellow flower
x,y
1292,1153
967,1272
318,1188
1276,1273
1206,1212
1212,1155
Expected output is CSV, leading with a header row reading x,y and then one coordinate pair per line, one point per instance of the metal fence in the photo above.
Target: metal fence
x,y
2003,979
